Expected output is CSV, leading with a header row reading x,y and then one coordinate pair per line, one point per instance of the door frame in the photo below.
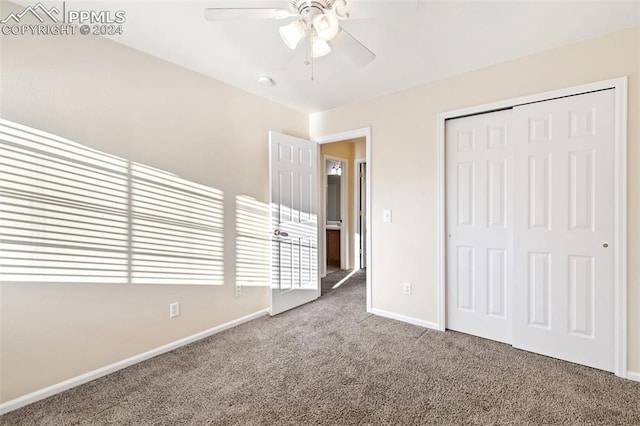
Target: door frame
x,y
344,136
620,199
357,189
344,213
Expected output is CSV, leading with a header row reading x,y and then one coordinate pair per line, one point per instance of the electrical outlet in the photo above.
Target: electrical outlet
x,y
174,309
238,291
406,288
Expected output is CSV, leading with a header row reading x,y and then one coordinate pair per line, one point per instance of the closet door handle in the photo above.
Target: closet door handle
x,y
279,233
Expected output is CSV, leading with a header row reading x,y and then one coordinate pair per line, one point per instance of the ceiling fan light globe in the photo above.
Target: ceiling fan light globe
x,y
292,33
319,48
326,26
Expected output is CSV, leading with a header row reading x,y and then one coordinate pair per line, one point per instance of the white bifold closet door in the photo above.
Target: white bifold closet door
x,y
530,227
563,229
479,223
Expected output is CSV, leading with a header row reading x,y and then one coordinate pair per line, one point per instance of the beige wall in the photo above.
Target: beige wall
x,y
104,95
404,175
121,101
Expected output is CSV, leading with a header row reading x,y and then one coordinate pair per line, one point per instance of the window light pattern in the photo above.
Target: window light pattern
x,y
176,230
253,242
69,213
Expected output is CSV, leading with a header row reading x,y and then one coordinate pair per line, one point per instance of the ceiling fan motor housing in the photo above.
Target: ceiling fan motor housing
x,y
305,6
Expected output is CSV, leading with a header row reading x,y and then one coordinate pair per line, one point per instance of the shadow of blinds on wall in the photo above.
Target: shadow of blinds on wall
x,y
177,230
253,242
63,210
69,213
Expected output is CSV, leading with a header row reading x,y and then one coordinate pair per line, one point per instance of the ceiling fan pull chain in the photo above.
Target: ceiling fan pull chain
x,y
312,59
306,51
308,55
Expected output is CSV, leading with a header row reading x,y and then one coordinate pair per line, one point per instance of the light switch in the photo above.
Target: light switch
x,y
386,215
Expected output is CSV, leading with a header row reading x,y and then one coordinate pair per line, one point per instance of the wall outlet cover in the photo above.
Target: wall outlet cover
x,y
406,288
174,309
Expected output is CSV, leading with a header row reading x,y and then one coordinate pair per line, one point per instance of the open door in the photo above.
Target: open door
x,y
294,218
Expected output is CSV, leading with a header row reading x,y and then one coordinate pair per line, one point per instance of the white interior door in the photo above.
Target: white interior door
x,y
564,227
294,218
479,223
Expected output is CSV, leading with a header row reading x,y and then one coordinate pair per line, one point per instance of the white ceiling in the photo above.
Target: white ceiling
x,y
435,40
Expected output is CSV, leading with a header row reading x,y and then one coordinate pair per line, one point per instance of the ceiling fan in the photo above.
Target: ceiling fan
x,y
316,21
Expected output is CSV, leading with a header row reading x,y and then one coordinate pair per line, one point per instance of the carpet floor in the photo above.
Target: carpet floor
x,y
330,362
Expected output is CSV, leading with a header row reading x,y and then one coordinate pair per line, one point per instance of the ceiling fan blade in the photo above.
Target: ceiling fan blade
x,y
347,45
230,13
382,9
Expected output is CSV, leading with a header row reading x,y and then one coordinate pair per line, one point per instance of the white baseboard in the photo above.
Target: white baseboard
x,y
19,402
632,375
404,318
